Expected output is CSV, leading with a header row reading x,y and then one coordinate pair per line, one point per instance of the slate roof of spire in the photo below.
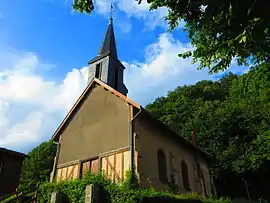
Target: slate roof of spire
x,y
109,45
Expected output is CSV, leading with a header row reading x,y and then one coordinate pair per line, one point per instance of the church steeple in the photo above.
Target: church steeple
x,y
106,65
109,45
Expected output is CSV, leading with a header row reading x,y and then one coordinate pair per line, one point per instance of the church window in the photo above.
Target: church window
x,y
98,71
184,169
162,166
115,78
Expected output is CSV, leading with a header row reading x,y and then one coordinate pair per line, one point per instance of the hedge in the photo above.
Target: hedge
x,y
115,193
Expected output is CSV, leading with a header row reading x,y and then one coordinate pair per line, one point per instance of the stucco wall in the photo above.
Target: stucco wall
x,y
100,125
148,139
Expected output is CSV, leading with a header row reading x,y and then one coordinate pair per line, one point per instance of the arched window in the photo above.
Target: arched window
x,y
184,169
162,166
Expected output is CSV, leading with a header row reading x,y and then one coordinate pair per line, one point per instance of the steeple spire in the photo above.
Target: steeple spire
x,y
106,66
109,45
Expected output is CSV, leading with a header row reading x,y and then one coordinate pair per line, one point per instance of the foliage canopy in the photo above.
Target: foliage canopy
x,y
220,30
231,117
38,167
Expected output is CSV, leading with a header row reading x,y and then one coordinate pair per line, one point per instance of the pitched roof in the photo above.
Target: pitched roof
x,y
109,45
19,154
75,107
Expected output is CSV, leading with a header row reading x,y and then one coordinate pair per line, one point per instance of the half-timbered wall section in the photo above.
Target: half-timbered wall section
x,y
112,165
68,172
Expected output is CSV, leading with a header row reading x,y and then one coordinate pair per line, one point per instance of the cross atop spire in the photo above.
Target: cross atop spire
x,y
111,13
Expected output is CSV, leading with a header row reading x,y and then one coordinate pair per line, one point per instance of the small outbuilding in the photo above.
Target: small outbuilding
x,y
10,170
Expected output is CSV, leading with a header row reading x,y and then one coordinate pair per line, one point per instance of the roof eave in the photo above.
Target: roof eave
x,y
98,57
179,137
18,154
103,56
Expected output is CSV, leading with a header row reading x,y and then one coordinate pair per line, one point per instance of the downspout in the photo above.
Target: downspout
x,y
132,140
55,162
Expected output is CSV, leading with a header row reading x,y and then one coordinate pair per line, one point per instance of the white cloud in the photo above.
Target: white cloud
x,y
161,71
124,25
131,8
31,107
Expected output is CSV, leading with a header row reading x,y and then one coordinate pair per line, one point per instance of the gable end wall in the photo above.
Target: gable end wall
x,y
100,125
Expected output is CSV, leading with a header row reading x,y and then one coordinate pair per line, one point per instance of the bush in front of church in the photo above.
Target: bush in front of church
x,y
112,192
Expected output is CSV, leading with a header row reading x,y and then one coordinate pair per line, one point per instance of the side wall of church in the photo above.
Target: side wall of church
x,y
100,125
148,141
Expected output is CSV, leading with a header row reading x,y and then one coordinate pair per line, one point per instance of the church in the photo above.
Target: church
x,y
108,132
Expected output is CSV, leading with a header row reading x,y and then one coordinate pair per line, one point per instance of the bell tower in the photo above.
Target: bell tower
x,y
106,66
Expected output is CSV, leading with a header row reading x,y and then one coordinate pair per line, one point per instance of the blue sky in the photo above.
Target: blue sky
x,y
45,48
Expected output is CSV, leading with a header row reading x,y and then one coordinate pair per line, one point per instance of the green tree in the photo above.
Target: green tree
x,y
220,30
37,168
231,117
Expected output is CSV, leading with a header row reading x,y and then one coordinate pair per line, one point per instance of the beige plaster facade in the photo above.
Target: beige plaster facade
x,y
148,140
97,130
100,125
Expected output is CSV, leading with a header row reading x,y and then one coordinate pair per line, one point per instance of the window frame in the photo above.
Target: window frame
x,y
185,175
98,70
162,166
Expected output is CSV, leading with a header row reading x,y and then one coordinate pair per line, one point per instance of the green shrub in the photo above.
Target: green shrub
x,y
74,189
115,193
131,180
173,187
